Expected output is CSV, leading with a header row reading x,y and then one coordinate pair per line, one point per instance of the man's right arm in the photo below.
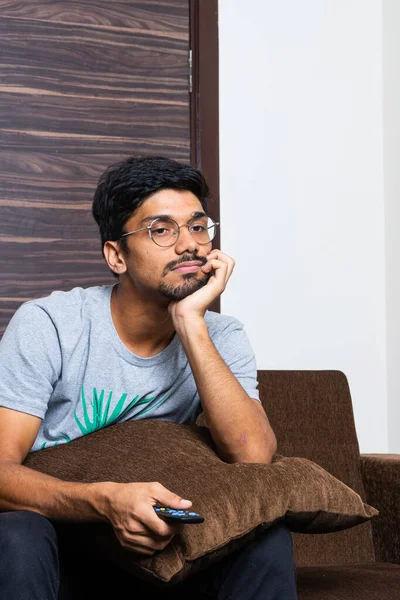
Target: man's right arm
x,y
22,488
127,507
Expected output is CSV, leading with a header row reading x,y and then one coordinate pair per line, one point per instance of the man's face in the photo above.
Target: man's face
x,y
165,269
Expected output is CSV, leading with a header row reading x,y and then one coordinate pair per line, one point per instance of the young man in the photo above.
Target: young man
x,y
149,335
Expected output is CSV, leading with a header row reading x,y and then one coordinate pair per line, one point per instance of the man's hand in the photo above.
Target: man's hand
x,y
196,304
129,509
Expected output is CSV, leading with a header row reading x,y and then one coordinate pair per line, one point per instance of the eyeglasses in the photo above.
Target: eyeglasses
x,y
165,231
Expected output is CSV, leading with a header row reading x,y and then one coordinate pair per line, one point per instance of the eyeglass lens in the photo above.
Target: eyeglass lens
x,y
165,232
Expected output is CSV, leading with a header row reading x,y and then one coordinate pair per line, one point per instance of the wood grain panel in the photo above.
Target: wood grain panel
x,y
88,144
67,263
82,85
167,17
36,114
76,46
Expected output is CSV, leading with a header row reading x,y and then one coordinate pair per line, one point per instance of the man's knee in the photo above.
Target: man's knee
x,y
276,545
26,538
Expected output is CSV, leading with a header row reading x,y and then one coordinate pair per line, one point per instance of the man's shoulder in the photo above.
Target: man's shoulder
x,y
61,301
67,311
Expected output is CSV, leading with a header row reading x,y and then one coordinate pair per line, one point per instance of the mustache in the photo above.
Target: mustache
x,y
184,258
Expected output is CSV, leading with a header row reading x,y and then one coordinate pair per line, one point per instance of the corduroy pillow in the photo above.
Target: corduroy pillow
x,y
236,500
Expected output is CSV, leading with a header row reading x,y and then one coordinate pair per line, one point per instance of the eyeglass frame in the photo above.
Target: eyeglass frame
x,y
178,228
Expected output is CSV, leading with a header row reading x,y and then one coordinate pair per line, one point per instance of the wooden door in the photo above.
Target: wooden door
x,y
82,85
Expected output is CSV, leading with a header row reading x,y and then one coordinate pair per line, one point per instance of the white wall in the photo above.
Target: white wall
x,y
391,71
302,208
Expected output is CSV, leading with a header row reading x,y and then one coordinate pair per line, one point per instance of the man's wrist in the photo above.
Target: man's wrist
x,y
189,326
100,499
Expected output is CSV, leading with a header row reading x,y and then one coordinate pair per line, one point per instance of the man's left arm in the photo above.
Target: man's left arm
x,y
237,423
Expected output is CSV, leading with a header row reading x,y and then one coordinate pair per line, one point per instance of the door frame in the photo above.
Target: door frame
x,y
204,101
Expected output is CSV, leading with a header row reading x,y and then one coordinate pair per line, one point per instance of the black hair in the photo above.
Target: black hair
x,y
124,186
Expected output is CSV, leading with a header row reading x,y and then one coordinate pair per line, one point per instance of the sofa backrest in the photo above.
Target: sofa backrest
x,y
312,416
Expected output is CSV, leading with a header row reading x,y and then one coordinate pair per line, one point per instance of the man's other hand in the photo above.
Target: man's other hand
x,y
129,507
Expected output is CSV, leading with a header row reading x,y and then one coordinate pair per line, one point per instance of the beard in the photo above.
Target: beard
x,y
190,285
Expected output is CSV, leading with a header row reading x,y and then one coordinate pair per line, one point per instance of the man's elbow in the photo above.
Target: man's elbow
x,y
257,454
264,457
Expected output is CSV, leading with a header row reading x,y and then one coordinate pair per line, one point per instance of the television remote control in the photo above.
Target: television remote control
x,y
174,515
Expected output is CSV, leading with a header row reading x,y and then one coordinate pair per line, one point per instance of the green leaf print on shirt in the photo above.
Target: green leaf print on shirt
x,y
100,416
63,435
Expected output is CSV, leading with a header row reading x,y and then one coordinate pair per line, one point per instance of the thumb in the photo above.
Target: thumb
x,y
167,498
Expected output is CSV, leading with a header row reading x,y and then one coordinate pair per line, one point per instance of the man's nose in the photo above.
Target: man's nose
x,y
186,242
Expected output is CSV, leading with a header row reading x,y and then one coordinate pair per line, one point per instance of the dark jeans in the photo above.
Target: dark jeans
x,y
32,568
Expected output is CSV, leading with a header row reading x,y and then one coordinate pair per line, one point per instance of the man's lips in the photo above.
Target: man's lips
x,y
188,267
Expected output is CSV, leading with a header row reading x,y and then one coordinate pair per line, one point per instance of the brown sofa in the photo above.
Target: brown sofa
x,y
311,413
312,416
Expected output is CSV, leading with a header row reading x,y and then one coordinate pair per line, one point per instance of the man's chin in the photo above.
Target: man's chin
x,y
182,290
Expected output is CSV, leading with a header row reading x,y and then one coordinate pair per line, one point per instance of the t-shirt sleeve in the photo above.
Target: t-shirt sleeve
x,y
234,347
30,361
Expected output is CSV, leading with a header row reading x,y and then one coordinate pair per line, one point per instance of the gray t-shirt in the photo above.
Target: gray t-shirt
x,y
61,359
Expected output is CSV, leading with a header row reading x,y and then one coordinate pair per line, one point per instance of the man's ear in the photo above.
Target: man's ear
x,y
114,257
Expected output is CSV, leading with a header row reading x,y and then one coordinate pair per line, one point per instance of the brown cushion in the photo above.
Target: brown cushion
x,y
237,500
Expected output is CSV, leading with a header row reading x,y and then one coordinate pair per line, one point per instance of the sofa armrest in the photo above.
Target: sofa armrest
x,y
381,478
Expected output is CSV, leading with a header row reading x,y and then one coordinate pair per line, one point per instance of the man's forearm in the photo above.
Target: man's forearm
x,y
237,424
22,488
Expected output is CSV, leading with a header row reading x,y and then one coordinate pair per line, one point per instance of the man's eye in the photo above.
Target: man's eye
x,y
198,228
161,231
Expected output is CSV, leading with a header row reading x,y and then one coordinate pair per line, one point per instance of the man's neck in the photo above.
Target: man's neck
x,y
143,325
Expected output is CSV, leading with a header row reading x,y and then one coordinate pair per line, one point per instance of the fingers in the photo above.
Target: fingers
x,y
136,524
224,262
222,270
149,536
164,497
146,545
157,527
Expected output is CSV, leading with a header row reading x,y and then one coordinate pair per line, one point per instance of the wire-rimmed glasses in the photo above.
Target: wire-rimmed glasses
x,y
164,231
